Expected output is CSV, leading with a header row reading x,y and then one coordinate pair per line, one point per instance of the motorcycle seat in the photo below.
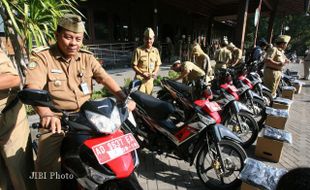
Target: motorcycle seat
x,y
156,109
180,87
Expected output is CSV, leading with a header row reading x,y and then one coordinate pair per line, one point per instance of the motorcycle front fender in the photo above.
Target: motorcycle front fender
x,y
221,132
238,106
257,96
264,88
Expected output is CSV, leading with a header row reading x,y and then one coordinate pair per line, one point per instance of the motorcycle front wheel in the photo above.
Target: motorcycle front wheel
x,y
267,98
215,175
259,109
246,128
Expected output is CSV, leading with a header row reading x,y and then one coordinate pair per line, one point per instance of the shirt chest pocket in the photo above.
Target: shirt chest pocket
x,y
57,82
143,62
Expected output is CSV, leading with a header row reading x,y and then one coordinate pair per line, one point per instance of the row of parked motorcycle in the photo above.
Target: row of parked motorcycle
x,y
208,126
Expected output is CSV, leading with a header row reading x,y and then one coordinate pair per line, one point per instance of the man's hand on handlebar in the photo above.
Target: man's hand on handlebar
x,y
52,122
131,105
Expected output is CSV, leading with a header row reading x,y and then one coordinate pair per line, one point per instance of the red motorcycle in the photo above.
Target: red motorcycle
x,y
95,153
213,148
222,107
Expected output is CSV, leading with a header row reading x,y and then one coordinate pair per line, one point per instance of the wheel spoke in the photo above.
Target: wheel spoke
x,y
207,169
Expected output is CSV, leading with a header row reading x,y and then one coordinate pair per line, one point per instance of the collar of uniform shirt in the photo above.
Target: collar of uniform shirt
x,y
149,50
58,55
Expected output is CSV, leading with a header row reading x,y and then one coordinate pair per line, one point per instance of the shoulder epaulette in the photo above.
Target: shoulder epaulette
x,y
86,51
39,49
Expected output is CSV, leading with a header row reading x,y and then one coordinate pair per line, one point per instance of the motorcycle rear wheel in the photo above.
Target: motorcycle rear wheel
x,y
210,170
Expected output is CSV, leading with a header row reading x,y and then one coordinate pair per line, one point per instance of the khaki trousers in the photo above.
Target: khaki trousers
x,y
272,79
48,160
16,158
147,86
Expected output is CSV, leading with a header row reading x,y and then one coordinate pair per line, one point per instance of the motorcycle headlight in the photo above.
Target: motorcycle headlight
x,y
104,124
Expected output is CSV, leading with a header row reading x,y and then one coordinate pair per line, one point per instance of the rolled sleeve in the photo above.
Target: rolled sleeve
x,y
134,59
271,53
6,65
98,71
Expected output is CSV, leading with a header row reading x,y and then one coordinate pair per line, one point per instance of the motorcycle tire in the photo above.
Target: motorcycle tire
x,y
267,98
129,183
248,123
233,156
261,116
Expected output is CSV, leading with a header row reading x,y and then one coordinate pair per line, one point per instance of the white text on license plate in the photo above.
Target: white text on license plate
x,y
114,148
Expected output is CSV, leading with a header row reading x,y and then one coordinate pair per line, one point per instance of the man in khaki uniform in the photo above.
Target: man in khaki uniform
x,y
16,159
202,60
66,72
146,61
223,56
236,55
307,65
274,61
188,71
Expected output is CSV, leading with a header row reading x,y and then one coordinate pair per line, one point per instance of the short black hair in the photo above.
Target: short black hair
x,y
297,179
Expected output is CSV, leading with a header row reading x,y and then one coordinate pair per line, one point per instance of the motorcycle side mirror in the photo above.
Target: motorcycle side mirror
x,y
134,85
36,97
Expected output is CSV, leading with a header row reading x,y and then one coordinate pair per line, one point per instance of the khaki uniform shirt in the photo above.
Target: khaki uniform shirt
x,y
236,54
194,71
6,67
276,54
146,60
49,70
223,56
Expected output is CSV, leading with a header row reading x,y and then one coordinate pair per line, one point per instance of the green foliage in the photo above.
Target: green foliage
x,y
127,82
30,110
104,92
157,80
299,30
173,74
35,21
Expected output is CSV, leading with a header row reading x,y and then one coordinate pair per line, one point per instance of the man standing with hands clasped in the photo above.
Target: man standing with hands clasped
x,y
146,61
274,62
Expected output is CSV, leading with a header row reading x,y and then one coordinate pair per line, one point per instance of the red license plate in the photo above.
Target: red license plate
x,y
115,148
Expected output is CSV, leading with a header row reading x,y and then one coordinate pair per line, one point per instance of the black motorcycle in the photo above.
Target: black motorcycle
x,y
212,147
95,152
234,115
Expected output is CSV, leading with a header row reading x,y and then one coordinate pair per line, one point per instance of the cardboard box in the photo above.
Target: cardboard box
x,y
288,92
277,105
298,87
245,186
282,103
269,149
276,117
275,121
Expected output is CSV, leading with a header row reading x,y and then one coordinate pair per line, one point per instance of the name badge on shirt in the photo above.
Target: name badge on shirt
x,y
152,66
56,71
85,88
